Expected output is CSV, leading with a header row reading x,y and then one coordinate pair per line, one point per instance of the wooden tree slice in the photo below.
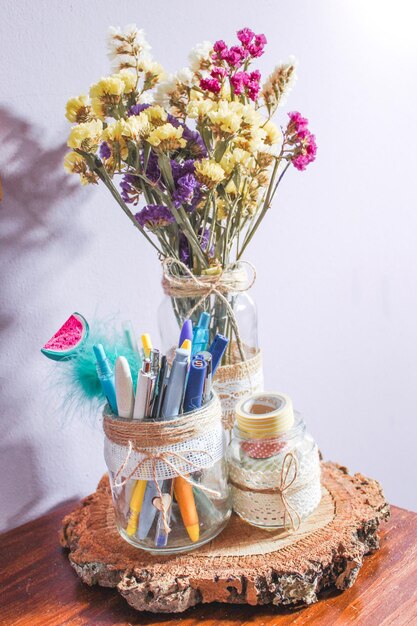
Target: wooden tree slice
x,y
243,564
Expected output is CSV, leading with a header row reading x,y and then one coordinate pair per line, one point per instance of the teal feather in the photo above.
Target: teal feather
x,y
77,377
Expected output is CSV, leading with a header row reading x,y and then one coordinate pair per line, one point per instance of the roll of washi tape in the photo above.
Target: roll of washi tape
x,y
263,418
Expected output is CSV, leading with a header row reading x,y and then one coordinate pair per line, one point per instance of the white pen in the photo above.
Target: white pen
x,y
124,387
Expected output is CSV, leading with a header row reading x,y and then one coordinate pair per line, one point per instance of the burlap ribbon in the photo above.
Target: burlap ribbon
x,y
288,476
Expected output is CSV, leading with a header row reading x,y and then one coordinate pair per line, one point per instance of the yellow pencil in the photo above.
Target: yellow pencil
x,y
135,506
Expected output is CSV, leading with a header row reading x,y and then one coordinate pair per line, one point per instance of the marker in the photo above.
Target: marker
x,y
194,390
217,349
184,495
135,506
147,345
174,393
144,391
186,332
105,374
124,387
201,333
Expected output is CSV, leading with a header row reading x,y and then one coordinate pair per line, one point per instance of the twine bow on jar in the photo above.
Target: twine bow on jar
x,y
285,489
164,457
230,279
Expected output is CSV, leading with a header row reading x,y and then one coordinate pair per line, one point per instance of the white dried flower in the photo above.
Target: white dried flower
x,y
199,56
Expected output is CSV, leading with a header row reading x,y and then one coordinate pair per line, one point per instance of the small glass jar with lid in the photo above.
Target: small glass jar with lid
x,y
274,465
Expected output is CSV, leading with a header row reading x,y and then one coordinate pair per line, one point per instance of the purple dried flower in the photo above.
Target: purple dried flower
x,y
104,150
184,192
130,185
154,216
137,108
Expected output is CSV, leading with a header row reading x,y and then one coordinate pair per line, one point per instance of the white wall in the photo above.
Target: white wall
x,y
336,257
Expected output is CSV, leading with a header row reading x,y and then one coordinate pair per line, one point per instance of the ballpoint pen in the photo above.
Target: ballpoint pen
x,y
171,407
207,392
217,349
194,390
105,375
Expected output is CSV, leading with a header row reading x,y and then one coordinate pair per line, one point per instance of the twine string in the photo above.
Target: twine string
x,y
227,280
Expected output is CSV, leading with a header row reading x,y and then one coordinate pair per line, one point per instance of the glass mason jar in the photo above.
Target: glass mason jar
x,y
274,476
171,497
229,306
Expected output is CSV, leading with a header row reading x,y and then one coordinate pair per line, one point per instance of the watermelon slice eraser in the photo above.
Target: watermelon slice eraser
x,y
68,339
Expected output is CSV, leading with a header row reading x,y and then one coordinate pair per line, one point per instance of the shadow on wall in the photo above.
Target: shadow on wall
x,y
37,236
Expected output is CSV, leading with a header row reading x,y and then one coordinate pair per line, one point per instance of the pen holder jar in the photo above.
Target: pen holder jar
x,y
232,312
168,479
274,465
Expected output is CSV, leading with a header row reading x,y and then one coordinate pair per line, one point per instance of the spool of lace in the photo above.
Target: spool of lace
x,y
274,466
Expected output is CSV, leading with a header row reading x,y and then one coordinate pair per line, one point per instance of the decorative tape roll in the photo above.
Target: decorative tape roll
x,y
264,415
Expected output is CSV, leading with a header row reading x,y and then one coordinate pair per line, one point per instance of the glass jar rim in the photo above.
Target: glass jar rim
x,y
297,429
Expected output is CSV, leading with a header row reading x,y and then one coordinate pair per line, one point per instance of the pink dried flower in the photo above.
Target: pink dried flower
x,y
239,80
219,73
304,142
256,49
245,36
210,84
235,56
297,121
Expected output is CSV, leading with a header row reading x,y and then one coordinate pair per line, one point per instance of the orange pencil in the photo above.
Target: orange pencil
x,y
184,494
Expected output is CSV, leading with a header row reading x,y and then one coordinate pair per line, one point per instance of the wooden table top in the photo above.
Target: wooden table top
x,y
39,587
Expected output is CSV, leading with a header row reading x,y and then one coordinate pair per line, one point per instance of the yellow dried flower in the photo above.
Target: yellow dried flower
x,y
115,135
129,80
198,109
154,72
236,157
167,137
85,136
106,94
225,120
209,173
79,110
137,127
74,163
273,134
222,209
156,115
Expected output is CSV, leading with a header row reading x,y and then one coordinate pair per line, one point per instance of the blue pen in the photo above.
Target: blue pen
x,y
201,333
186,332
195,384
171,407
217,349
105,374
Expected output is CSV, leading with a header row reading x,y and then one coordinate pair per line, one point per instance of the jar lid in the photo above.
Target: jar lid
x,y
265,414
